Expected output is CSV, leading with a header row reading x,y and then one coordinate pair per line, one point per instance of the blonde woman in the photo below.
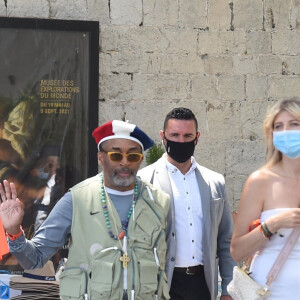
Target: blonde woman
x,y
272,194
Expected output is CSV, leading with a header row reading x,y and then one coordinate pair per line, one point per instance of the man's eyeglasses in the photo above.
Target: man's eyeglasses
x,y
118,156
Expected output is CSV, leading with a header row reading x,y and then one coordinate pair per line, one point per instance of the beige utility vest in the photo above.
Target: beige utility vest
x,y
94,270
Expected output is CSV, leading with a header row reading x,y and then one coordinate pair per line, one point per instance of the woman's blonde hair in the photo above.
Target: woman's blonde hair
x,y
290,105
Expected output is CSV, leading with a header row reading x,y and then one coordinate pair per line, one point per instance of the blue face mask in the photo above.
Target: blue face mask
x,y
43,175
287,142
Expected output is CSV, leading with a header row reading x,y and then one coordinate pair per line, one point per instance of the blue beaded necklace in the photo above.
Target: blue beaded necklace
x,y
106,214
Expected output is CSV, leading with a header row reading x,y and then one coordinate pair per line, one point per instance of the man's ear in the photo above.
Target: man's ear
x,y
197,137
100,158
162,136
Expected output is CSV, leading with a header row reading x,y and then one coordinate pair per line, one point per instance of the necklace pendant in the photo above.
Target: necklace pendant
x,y
125,260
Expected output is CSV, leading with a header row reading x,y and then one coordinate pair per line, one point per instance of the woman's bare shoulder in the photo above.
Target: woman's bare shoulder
x,y
261,176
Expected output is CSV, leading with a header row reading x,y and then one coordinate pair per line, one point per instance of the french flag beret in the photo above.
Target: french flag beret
x,y
117,129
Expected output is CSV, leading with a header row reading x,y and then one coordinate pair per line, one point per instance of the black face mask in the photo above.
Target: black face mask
x,y
180,152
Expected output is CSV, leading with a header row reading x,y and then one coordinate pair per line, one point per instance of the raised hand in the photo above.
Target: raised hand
x,y
11,208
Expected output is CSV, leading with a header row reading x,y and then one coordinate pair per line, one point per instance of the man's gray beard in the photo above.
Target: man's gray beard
x,y
123,182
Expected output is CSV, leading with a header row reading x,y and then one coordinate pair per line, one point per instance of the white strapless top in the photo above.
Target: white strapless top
x,y
287,284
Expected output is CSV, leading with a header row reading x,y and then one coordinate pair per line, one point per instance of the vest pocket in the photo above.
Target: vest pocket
x,y
105,275
101,280
148,277
146,227
73,283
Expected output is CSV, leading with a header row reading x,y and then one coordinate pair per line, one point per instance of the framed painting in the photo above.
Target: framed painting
x,y
48,108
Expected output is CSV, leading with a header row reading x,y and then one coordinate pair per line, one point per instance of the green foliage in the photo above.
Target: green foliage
x,y
154,153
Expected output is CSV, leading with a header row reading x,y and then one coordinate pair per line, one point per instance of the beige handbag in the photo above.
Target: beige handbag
x,y
243,287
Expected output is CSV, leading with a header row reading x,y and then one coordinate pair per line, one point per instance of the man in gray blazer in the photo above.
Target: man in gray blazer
x,y
199,221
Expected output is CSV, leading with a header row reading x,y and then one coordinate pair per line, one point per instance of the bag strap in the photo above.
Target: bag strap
x,y
283,255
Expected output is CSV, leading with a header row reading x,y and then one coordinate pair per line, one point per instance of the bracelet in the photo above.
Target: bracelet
x,y
266,230
13,237
263,234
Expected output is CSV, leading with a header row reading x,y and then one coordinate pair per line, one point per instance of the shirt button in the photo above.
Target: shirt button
x,y
173,234
189,208
193,257
192,241
172,258
191,224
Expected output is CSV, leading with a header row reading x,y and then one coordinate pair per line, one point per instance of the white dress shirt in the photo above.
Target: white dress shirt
x,y
188,216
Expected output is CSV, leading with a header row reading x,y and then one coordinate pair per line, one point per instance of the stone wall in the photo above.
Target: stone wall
x,y
226,60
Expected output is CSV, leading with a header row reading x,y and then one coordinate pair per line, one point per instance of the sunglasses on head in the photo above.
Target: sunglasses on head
x,y
118,156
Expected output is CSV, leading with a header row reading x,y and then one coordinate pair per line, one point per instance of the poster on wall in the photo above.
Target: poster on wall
x,y
48,109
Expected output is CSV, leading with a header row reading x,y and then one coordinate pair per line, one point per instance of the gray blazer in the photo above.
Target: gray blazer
x,y
217,226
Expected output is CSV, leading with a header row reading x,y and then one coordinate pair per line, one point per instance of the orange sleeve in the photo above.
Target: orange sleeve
x,y
4,249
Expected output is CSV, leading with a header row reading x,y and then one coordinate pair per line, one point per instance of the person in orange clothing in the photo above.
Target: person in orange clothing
x,y
3,243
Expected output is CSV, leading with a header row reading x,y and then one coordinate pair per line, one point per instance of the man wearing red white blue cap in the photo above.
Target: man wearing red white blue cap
x,y
116,223
119,129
